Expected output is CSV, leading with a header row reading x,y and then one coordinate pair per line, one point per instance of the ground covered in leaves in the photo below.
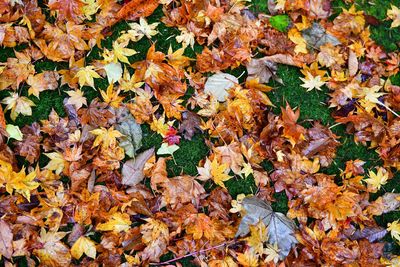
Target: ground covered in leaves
x,y
220,133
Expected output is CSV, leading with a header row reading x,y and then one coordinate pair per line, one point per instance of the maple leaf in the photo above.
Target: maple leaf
x,y
177,59
121,53
52,252
86,75
200,225
155,235
219,173
394,228
186,38
56,163
376,180
144,29
90,8
47,80
128,83
76,98
113,71
394,14
118,222
106,137
112,97
272,252
20,182
18,105
295,36
248,259
258,236
83,246
14,132
312,82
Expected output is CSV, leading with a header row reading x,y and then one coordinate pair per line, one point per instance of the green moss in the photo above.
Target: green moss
x,y
312,104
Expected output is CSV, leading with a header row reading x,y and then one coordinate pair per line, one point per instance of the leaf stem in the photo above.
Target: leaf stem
x,y
194,253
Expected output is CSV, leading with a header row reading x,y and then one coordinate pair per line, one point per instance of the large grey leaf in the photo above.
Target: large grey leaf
x,y
316,36
280,228
132,170
126,124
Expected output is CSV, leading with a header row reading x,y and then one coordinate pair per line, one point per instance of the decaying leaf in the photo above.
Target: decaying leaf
x,y
132,170
280,228
316,36
131,138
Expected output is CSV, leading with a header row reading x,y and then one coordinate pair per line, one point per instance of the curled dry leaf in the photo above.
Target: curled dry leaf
x,y
132,170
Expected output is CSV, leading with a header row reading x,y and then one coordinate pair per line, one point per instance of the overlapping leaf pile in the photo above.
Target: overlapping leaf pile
x,y
75,190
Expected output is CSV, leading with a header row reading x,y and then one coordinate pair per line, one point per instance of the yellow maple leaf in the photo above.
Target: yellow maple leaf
x,y
248,259
56,163
129,83
83,245
20,182
177,59
219,173
122,53
106,137
301,45
159,125
258,236
90,8
200,225
394,229
76,98
85,76
119,222
394,14
112,97
376,180
18,105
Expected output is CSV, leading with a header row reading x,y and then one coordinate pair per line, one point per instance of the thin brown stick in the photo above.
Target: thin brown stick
x,y
193,253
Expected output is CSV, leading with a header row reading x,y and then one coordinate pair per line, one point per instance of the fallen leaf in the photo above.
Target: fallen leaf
x,y
166,149
132,170
190,124
83,246
136,9
113,71
280,228
218,84
131,138
6,238
316,36
14,132
394,14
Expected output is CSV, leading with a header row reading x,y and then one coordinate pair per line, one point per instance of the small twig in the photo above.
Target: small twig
x,y
391,110
336,124
194,253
